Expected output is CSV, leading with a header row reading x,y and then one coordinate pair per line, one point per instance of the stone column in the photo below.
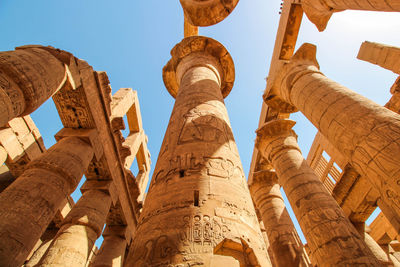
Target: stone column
x,y
285,243
46,240
332,238
207,13
320,11
367,134
79,230
28,77
198,205
112,251
29,204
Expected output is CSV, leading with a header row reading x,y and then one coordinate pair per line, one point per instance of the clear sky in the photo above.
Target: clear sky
x,y
131,41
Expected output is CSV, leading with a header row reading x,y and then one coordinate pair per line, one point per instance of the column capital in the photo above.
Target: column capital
x,y
208,12
273,137
265,177
208,53
303,62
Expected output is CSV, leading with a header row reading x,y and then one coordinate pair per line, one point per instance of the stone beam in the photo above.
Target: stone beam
x,y
320,11
385,56
90,106
285,42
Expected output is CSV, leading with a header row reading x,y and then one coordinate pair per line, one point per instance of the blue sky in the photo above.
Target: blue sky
x,y
131,41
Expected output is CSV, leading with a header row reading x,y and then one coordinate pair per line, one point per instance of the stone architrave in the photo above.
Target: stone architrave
x,y
29,204
79,231
367,134
209,12
28,77
320,11
283,238
112,251
198,209
331,237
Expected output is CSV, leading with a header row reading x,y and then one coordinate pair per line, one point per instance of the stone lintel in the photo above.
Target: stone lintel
x,y
385,56
209,12
318,13
103,186
201,45
303,62
88,135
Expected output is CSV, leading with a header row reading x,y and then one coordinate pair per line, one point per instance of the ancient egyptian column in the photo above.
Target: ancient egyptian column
x,y
320,11
28,77
112,251
367,134
79,231
331,237
283,238
207,13
198,209
29,204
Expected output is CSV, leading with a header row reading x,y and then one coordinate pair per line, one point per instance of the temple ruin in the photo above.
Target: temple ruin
x,y
198,208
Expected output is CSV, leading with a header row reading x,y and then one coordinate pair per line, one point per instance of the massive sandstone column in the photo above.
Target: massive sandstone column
x,y
79,230
28,77
29,204
198,210
367,134
332,238
112,251
207,13
283,238
320,11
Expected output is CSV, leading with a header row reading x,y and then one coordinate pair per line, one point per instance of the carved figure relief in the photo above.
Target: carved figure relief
x,y
203,126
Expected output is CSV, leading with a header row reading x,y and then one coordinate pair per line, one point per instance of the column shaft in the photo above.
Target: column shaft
x,y
198,209
330,235
282,235
29,204
112,251
28,77
367,134
80,229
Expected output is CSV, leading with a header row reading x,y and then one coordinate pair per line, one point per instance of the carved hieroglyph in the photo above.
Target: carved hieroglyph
x,y
366,133
29,204
283,238
332,238
28,77
198,204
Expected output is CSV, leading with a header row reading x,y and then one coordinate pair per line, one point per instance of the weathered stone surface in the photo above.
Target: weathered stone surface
x,y
207,12
320,11
369,139
28,76
198,205
283,238
82,226
332,239
112,251
29,204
